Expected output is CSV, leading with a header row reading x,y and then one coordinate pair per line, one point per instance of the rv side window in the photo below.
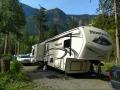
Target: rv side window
x,y
67,43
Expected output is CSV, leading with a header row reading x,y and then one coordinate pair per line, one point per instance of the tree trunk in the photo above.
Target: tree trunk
x,y
18,48
24,49
117,33
15,46
39,37
6,47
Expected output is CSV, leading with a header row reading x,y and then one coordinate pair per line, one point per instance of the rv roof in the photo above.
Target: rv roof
x,y
66,33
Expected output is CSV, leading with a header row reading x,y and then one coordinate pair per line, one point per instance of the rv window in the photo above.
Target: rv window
x,y
67,43
51,60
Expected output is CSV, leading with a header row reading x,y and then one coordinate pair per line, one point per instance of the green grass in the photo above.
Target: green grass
x,y
107,66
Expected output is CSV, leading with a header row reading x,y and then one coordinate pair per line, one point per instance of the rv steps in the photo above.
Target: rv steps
x,y
40,67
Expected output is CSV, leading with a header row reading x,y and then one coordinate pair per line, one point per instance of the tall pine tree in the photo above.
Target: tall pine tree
x,y
25,39
55,31
40,21
73,24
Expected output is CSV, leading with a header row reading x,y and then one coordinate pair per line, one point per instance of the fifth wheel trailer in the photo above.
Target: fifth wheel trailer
x,y
75,50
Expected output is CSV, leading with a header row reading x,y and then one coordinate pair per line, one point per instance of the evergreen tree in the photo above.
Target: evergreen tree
x,y
52,32
32,38
49,34
11,19
73,24
25,39
12,44
40,21
55,31
103,21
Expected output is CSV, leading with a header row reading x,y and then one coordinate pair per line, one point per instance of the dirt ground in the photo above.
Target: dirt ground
x,y
54,80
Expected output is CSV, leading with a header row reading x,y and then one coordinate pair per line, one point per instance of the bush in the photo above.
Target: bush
x,y
6,55
107,66
16,66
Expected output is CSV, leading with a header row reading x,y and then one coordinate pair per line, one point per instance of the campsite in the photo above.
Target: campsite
x,y
51,44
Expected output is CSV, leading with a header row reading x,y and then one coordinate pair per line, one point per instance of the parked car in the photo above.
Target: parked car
x,y
24,58
14,57
114,76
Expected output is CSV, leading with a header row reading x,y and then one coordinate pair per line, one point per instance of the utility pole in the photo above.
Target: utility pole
x,y
117,33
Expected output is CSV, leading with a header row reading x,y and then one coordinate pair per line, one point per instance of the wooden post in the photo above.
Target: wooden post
x,y
5,64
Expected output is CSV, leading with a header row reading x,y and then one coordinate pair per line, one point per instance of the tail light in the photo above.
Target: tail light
x,y
110,75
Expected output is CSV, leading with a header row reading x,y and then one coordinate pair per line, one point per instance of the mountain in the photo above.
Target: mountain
x,y
56,16
28,10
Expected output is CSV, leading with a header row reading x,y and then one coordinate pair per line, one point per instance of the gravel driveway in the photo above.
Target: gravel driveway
x,y
54,81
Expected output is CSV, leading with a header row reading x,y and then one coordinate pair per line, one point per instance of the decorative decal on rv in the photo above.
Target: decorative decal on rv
x,y
56,49
58,44
66,51
102,40
73,52
63,54
100,33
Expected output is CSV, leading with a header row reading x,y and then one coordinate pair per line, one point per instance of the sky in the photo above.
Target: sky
x,y
74,7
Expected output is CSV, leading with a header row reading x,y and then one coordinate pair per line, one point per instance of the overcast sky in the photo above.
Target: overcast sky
x,y
74,7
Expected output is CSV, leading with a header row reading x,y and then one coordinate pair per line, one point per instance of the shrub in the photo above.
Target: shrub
x,y
16,66
4,55
107,66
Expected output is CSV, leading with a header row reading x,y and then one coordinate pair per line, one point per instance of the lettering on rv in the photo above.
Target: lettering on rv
x,y
100,33
58,44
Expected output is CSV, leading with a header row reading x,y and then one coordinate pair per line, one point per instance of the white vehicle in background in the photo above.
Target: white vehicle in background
x,y
24,58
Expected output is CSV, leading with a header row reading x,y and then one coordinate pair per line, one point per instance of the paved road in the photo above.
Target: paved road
x,y
54,80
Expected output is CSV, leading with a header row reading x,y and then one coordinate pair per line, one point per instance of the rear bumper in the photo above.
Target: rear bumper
x,y
114,84
25,62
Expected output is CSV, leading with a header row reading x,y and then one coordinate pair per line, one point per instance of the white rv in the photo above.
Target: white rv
x,y
75,50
